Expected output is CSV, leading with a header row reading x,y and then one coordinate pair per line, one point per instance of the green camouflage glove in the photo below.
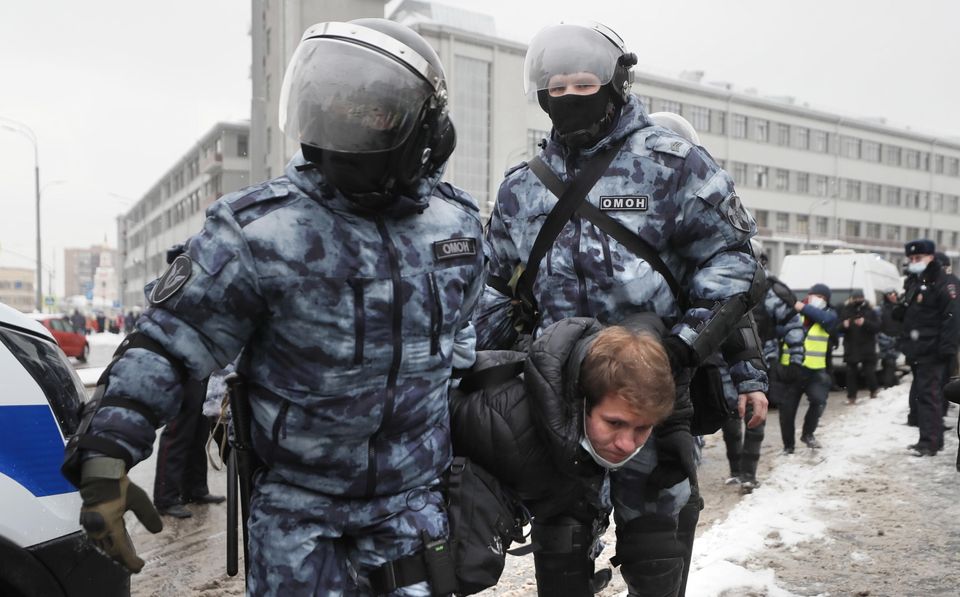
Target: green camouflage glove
x,y
107,493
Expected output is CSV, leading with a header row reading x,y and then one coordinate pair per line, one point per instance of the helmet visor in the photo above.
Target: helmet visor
x,y
342,96
563,54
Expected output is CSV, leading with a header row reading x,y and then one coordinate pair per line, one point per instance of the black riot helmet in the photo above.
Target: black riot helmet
x,y
367,101
563,55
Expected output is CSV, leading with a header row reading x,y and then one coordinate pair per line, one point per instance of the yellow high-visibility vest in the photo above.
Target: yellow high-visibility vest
x,y
815,346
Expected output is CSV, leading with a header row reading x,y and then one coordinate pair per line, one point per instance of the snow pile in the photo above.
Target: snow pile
x,y
783,511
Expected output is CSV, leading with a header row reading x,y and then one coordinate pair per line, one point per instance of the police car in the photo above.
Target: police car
x,y
42,548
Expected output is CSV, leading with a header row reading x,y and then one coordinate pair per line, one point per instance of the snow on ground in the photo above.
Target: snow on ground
x,y
783,511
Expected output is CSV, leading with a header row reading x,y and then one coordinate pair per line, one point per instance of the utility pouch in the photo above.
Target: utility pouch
x,y
438,558
710,406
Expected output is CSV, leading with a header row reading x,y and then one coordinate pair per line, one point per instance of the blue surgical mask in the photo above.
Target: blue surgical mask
x,y
916,267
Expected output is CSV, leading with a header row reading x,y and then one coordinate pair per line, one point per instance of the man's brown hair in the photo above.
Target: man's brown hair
x,y
631,365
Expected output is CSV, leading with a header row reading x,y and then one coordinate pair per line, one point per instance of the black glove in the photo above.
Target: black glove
x,y
788,374
676,455
679,353
107,494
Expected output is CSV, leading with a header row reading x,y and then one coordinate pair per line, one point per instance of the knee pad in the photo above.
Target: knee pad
x,y
560,560
651,555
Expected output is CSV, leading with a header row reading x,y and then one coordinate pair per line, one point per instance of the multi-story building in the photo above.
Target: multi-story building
x,y
813,178
17,286
173,209
80,267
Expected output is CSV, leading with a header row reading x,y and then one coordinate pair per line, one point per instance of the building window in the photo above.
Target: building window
x,y
761,129
670,106
783,134
952,204
783,179
822,225
470,109
739,126
953,167
242,144
818,141
938,164
853,228
699,117
911,198
873,193
803,224
763,218
870,151
913,232
740,173
783,222
821,185
761,174
893,196
718,122
936,202
803,182
911,159
873,230
801,137
852,191
850,147
891,155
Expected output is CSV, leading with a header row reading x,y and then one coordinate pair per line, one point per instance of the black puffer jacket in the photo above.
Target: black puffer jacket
x,y
527,430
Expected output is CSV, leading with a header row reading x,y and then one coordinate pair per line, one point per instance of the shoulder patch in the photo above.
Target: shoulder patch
x,y
452,248
670,144
736,214
952,290
172,280
451,193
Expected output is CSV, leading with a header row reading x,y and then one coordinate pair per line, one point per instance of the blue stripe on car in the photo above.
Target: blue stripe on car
x,y
31,449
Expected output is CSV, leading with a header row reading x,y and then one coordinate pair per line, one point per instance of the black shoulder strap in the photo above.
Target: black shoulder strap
x,y
635,243
568,199
601,220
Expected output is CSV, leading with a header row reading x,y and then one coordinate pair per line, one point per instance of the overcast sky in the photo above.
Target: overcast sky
x,y
117,90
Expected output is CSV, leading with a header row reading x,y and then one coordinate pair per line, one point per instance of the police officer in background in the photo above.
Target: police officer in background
x,y
348,284
859,325
679,201
931,335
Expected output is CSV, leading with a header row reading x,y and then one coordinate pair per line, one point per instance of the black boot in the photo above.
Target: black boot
x,y
686,530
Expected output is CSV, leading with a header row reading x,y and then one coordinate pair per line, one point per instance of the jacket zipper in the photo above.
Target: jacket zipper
x,y
583,307
396,311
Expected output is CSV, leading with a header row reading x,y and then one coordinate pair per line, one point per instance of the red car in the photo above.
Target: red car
x,y
72,343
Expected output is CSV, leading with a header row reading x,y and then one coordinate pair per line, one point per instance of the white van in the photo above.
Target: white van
x,y
843,271
43,550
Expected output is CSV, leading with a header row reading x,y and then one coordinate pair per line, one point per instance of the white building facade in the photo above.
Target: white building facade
x,y
812,178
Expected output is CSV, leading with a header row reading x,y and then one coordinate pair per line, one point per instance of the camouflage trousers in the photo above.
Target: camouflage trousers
x,y
303,543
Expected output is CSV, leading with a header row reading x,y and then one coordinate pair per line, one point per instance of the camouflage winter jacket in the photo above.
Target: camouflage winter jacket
x,y
660,186
350,324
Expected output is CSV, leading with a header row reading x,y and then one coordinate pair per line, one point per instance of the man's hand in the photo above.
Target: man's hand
x,y
798,306
858,321
760,405
678,352
846,323
107,494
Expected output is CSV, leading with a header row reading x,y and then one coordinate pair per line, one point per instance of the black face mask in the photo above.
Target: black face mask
x,y
356,173
581,120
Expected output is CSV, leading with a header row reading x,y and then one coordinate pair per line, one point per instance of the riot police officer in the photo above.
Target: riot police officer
x,y
674,195
348,284
931,334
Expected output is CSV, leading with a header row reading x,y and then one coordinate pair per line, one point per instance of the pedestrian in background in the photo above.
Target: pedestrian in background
x,y
931,335
819,322
181,471
888,339
859,326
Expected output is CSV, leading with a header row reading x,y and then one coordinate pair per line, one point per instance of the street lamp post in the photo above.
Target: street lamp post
x,y
29,134
810,217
